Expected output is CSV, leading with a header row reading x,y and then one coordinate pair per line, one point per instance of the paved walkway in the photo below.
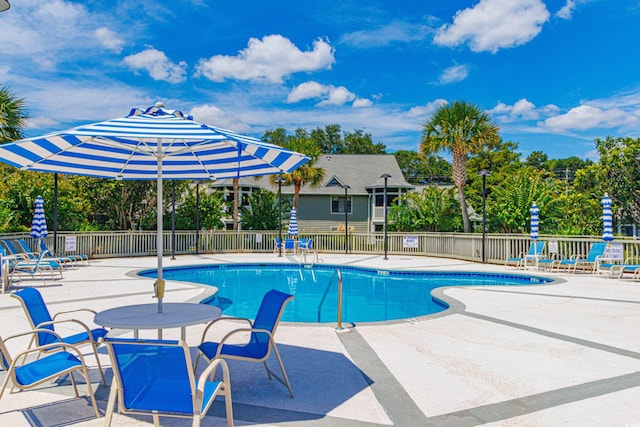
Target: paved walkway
x,y
567,353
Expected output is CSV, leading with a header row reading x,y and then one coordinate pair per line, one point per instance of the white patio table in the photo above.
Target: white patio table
x,y
146,316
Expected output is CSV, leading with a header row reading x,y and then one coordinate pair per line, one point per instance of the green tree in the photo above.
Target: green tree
x,y
620,169
302,143
536,159
433,209
210,212
13,116
263,210
459,128
508,211
418,169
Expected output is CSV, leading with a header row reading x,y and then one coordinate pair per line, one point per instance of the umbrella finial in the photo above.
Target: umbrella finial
x,y
159,104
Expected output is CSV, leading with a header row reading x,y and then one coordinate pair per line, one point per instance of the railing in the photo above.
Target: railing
x,y
337,274
465,246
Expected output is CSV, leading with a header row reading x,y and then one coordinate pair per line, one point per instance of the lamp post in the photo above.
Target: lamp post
x,y
484,173
279,181
346,219
385,176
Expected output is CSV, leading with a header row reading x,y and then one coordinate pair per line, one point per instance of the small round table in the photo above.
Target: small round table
x,y
146,316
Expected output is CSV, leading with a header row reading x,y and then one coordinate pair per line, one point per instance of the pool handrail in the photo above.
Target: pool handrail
x,y
337,273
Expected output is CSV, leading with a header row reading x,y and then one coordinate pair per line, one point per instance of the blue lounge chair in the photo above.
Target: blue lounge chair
x,y
596,252
76,258
535,252
261,340
40,318
157,378
26,372
39,267
45,255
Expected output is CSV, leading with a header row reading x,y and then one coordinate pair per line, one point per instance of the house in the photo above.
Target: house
x,y
351,181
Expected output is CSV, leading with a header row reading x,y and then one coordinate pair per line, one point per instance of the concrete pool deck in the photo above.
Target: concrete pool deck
x,y
567,353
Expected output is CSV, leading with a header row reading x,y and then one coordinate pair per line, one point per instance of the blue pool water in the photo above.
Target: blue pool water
x,y
370,295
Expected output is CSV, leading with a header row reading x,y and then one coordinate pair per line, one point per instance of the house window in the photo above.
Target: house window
x,y
338,204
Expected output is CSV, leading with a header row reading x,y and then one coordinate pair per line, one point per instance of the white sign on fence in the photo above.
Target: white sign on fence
x,y
614,251
70,243
410,242
553,246
258,238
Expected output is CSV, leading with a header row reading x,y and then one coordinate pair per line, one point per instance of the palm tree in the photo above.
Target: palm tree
x,y
13,116
459,128
306,174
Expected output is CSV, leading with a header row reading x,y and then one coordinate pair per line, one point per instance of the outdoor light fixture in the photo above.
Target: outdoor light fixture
x,y
346,220
385,176
280,180
4,5
484,173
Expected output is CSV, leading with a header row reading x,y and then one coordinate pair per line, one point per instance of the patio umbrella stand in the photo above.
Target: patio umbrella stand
x,y
151,144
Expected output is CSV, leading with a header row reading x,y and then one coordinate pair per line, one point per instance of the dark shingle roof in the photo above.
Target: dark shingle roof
x,y
359,171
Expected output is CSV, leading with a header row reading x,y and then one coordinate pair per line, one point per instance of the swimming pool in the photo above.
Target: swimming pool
x,y
369,295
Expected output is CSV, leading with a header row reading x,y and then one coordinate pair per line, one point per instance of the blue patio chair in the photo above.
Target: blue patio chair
x,y
12,249
25,372
261,340
536,250
277,245
38,267
39,318
305,245
596,252
289,245
75,258
45,255
155,377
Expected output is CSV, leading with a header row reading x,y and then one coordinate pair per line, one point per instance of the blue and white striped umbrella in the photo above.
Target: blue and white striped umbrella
x,y
152,144
607,218
39,222
535,220
293,224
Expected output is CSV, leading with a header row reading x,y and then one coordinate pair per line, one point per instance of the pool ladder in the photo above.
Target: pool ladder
x,y
337,274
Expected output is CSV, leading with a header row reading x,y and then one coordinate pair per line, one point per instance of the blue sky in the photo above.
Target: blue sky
x,y
553,74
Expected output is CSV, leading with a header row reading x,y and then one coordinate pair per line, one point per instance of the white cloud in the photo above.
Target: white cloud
x,y
362,103
424,111
494,24
306,90
270,60
328,95
49,32
586,117
523,109
337,96
157,65
567,10
214,116
109,39
387,34
455,73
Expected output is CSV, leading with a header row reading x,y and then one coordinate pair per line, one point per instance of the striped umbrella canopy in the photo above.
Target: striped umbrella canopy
x,y
535,220
607,218
153,144
293,224
39,222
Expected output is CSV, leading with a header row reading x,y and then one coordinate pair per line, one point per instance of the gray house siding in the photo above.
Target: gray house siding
x,y
314,214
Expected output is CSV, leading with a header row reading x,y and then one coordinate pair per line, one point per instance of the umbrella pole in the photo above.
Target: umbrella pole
x,y
160,281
